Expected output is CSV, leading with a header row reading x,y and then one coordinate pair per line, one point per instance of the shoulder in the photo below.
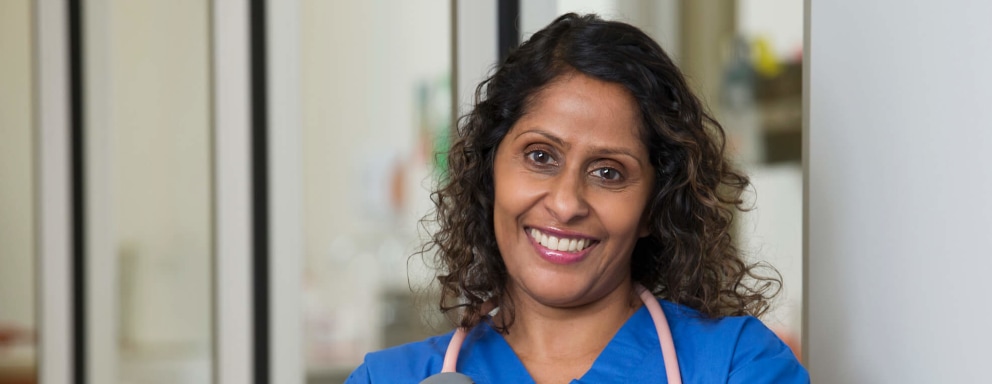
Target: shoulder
x,y
404,363
739,347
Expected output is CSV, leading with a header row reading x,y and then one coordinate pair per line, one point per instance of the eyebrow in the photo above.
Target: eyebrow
x,y
600,151
546,134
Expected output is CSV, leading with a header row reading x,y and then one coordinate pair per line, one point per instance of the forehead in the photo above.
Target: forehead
x,y
581,107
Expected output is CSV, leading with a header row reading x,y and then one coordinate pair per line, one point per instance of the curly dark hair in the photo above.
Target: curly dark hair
x,y
688,258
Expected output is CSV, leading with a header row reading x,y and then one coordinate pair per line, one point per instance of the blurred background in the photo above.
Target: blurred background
x,y
375,87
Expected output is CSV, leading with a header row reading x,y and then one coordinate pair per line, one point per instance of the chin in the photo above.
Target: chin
x,y
562,292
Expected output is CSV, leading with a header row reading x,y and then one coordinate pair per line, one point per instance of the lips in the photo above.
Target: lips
x,y
560,248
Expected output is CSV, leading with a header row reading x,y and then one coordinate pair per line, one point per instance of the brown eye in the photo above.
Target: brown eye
x,y
540,157
608,174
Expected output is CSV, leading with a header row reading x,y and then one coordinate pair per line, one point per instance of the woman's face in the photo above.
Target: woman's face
x,y
572,179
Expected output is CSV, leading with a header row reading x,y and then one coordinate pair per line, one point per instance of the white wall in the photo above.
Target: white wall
x,y
899,186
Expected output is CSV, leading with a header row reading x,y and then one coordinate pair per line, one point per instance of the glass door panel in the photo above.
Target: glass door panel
x,y
148,191
18,325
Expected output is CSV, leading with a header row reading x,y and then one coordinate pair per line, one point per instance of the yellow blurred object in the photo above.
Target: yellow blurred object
x,y
763,59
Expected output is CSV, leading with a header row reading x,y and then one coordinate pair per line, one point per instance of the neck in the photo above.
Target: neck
x,y
540,332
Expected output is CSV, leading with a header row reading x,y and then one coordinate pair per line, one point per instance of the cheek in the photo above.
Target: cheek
x,y
510,197
515,197
626,218
505,203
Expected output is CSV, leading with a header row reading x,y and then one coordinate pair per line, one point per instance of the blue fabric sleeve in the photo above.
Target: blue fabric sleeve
x,y
761,357
359,376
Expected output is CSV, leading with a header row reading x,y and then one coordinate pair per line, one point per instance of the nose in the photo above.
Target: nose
x,y
566,200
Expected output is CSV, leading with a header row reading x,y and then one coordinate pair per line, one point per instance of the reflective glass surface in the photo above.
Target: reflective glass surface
x,y
148,180
18,332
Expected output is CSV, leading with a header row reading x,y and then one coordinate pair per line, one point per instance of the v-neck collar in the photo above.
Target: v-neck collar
x,y
634,342
486,354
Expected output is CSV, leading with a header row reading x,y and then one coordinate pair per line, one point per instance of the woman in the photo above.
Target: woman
x,y
586,170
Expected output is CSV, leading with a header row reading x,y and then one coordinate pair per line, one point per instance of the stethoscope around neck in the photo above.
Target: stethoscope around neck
x,y
448,374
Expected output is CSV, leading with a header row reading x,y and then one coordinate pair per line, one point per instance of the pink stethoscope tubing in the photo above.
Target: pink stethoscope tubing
x,y
660,324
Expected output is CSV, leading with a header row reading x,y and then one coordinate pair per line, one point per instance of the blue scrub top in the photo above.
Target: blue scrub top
x,y
725,350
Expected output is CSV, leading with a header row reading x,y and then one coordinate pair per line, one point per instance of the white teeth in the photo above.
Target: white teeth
x,y
562,245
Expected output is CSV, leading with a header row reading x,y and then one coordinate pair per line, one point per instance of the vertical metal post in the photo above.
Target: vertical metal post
x,y
232,193
55,239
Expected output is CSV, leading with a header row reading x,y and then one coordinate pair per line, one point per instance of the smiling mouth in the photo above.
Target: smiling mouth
x,y
558,243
